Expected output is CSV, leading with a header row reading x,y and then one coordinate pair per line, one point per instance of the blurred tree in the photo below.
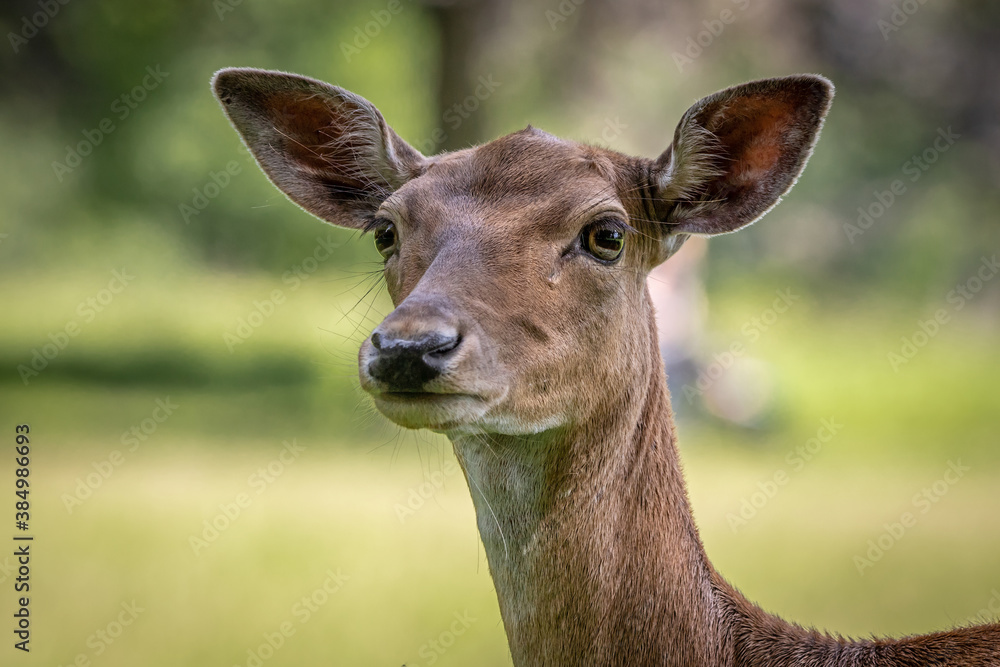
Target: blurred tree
x,y
466,29
565,65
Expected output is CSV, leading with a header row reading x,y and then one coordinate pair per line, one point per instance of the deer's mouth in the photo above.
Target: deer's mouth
x,y
418,397
437,411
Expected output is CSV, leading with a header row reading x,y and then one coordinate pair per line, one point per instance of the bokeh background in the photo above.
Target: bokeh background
x,y
228,333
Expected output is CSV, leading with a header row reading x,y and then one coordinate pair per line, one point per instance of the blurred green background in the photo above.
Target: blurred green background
x,y
119,160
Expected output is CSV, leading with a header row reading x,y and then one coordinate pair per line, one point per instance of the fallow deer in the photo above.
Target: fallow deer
x,y
523,330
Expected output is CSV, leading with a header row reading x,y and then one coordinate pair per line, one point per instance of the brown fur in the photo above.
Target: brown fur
x,y
555,399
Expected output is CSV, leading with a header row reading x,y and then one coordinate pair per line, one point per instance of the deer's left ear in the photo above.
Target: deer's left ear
x,y
735,153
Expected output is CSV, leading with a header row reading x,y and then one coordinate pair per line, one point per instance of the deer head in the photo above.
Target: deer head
x,y
518,267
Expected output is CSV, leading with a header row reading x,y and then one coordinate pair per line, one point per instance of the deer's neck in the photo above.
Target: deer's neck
x,y
597,561
591,541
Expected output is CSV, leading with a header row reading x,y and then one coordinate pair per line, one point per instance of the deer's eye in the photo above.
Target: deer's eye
x,y
604,239
386,239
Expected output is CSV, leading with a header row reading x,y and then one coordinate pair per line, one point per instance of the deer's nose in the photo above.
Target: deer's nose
x,y
407,362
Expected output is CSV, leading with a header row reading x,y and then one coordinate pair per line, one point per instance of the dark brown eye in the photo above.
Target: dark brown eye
x,y
386,239
604,240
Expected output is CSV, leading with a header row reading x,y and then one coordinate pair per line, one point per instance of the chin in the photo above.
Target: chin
x,y
443,413
457,415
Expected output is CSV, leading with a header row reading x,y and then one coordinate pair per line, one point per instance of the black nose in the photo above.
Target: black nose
x,y
408,363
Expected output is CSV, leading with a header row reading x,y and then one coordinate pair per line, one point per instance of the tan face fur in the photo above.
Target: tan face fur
x,y
495,251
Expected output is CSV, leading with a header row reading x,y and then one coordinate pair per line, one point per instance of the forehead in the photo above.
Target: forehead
x,y
529,171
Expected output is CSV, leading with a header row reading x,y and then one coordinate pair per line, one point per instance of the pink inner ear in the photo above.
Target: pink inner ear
x,y
755,139
308,124
316,135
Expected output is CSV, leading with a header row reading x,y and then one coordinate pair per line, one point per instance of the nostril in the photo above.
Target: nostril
x,y
445,346
377,340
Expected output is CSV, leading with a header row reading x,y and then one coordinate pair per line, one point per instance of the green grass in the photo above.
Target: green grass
x,y
336,507
333,509
327,511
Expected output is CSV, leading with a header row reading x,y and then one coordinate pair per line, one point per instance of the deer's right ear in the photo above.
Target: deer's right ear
x,y
734,154
326,148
